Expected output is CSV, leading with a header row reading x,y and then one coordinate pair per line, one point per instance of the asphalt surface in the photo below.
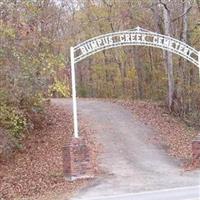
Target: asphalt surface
x,y
188,193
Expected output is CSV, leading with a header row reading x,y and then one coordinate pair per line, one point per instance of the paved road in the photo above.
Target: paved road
x,y
131,164
188,193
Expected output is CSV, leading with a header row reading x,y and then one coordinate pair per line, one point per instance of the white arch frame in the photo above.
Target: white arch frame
x,y
137,37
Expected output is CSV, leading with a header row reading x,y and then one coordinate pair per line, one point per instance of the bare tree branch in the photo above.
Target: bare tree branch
x,y
198,4
183,14
164,4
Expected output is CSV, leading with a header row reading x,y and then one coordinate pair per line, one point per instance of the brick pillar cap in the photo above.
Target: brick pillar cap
x,y
197,138
80,140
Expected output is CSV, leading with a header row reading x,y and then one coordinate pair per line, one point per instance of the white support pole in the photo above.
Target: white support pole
x,y
199,62
74,93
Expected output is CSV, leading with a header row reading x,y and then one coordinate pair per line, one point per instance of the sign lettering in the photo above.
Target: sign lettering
x,y
135,37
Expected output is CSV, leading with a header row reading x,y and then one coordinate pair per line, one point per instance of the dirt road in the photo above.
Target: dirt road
x,y
131,163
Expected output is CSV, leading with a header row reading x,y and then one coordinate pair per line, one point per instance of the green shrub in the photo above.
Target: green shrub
x,y
59,89
12,120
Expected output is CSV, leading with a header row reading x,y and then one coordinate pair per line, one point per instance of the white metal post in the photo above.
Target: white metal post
x,y
199,62
74,93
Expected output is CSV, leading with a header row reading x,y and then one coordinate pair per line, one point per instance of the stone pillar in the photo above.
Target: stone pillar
x,y
196,151
77,160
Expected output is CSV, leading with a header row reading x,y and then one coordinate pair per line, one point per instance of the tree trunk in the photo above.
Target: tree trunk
x,y
168,58
198,4
184,36
139,70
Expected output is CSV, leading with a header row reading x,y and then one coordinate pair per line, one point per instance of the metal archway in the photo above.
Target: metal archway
x,y
137,37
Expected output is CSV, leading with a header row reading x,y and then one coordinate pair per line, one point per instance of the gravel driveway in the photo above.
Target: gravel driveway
x,y
130,162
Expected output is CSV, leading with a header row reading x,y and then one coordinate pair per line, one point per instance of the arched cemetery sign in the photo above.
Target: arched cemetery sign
x,y
137,37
